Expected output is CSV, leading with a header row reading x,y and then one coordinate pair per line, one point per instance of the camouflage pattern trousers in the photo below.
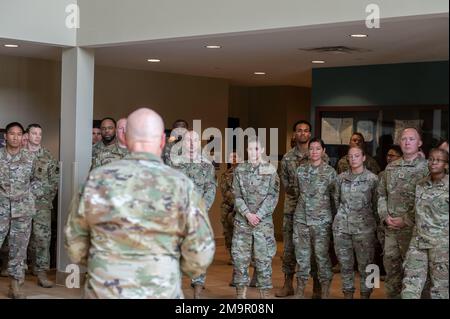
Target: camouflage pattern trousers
x,y
227,219
257,242
346,246
39,247
289,261
396,245
418,263
18,232
198,281
313,242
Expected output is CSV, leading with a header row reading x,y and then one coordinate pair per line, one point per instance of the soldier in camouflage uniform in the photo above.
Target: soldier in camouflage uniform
x,y
227,206
313,217
228,210
396,207
370,163
256,187
18,187
47,171
355,223
108,149
200,170
288,175
140,223
428,250
394,153
179,128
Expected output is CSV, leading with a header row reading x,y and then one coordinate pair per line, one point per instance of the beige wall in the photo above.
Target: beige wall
x,y
30,93
117,92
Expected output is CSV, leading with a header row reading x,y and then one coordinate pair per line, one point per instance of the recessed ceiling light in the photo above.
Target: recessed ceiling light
x,y
359,35
259,73
318,61
213,46
153,60
11,45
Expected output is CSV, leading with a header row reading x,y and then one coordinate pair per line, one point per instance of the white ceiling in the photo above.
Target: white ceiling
x,y
276,52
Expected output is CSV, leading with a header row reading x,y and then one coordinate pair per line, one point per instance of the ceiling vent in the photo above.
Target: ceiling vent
x,y
336,50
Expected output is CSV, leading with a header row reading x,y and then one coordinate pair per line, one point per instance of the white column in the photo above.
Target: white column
x,y
77,92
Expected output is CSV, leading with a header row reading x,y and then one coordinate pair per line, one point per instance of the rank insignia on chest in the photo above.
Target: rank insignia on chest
x,y
266,170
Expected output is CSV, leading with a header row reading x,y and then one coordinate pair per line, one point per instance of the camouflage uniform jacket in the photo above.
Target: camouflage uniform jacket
x,y
19,184
316,186
288,170
170,143
202,173
256,190
103,154
356,202
397,188
431,208
370,163
47,170
138,224
226,187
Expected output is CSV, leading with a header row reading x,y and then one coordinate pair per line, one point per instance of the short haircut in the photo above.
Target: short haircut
x,y
108,118
96,124
439,150
358,147
14,124
396,148
441,142
254,139
35,125
301,122
360,135
419,131
180,121
316,140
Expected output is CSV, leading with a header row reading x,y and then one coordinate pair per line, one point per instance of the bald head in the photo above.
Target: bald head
x,y
145,131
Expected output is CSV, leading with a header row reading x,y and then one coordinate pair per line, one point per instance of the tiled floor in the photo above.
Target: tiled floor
x,y
218,278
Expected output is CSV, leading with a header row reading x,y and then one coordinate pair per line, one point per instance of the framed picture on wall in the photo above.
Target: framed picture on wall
x,y
380,126
2,137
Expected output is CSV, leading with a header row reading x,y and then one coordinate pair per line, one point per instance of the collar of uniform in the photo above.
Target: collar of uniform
x,y
414,161
115,144
143,156
39,152
442,183
12,158
351,177
299,153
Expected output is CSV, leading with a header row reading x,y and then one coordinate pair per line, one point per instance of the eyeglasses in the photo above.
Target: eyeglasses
x,y
436,160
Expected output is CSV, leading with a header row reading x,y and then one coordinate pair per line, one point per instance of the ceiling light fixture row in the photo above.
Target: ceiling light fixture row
x,y
216,46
